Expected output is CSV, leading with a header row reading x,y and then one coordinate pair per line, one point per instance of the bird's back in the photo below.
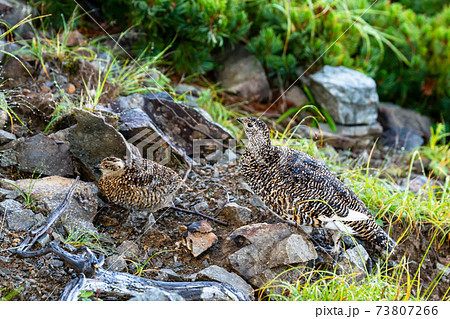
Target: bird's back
x,y
299,188
142,184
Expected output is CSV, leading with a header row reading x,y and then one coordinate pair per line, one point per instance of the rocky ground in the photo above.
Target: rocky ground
x,y
38,164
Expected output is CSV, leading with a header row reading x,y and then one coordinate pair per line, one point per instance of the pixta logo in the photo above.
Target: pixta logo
x,y
151,146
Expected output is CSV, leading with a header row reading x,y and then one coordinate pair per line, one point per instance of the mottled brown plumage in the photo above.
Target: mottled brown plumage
x,y
297,187
140,184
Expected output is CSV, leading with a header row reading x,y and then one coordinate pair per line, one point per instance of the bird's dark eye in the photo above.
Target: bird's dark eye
x,y
249,125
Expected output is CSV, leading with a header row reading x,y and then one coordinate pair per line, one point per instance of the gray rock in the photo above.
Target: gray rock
x,y
392,116
128,249
244,75
219,274
15,72
201,206
256,201
296,97
156,125
91,140
51,191
292,250
445,269
9,193
253,249
349,96
115,263
345,137
215,156
236,215
3,114
353,261
157,294
228,157
419,184
43,240
40,154
8,47
167,275
401,139
13,11
6,137
23,220
10,205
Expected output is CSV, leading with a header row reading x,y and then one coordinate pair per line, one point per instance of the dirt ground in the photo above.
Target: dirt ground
x,y
44,278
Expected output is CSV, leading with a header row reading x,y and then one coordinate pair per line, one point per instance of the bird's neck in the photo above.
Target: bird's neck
x,y
114,174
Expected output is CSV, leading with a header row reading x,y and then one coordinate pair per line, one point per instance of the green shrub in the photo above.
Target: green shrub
x,y
407,52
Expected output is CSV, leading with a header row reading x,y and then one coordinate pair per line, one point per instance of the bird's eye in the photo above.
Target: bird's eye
x,y
249,125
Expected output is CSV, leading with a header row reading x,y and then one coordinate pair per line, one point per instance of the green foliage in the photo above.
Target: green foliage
x,y
406,51
438,151
429,7
195,27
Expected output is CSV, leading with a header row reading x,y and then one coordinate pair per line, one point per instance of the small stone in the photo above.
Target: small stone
x,y
43,240
444,269
45,89
70,88
228,157
128,249
201,227
168,274
6,137
201,206
353,261
198,242
75,39
55,263
236,215
115,263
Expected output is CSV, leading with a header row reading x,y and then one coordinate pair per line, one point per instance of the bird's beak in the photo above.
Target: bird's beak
x,y
97,166
240,120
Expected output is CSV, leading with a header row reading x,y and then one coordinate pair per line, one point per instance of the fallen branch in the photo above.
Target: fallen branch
x,y
194,212
127,286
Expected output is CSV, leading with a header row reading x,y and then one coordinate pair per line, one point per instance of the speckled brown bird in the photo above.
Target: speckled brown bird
x,y
298,188
139,185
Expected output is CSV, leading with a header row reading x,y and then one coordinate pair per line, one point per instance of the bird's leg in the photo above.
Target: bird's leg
x,y
199,214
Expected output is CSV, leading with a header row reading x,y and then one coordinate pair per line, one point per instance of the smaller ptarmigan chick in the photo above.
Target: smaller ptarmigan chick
x,y
139,185
298,188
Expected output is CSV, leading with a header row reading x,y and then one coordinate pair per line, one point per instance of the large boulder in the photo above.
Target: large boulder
x,y
349,96
156,124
